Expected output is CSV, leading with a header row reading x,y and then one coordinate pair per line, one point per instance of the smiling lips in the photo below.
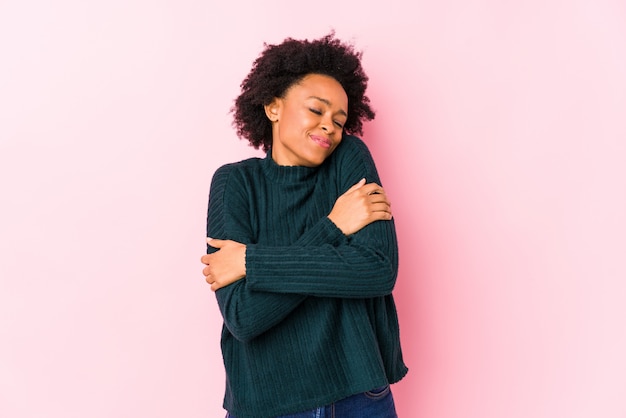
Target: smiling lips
x,y
321,141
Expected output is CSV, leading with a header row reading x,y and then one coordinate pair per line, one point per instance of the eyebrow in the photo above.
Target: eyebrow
x,y
327,102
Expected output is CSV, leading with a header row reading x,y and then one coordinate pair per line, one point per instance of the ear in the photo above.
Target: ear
x,y
272,110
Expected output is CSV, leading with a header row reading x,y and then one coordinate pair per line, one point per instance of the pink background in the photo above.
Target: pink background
x,y
500,137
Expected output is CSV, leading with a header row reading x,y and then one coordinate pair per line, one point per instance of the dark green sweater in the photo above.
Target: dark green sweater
x,y
314,320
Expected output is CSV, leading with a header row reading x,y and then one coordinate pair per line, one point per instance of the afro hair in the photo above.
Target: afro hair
x,y
281,66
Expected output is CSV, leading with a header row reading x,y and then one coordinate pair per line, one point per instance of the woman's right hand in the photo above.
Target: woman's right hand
x,y
359,206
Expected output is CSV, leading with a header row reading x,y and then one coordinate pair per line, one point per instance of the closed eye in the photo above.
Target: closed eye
x,y
320,113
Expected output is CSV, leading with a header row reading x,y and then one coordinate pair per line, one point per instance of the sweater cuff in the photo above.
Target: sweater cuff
x,y
323,232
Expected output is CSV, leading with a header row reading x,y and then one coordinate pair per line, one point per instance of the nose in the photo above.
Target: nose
x,y
327,125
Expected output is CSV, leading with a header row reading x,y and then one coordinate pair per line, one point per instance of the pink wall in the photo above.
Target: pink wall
x,y
500,137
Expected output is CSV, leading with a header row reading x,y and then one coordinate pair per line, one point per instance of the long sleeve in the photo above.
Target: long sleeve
x,y
246,313
365,266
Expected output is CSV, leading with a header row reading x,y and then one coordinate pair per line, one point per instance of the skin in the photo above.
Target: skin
x,y
307,126
307,123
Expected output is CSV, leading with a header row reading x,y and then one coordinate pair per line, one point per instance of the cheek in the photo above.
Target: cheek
x,y
296,120
309,121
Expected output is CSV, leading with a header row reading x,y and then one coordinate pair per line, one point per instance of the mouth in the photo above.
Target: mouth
x,y
321,141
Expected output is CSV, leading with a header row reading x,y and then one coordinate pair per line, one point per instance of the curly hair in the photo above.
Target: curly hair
x,y
281,66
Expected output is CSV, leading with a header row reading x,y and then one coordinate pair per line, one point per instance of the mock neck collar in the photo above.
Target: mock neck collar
x,y
286,174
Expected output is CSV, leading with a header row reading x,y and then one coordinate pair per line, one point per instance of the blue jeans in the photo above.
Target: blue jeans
x,y
377,403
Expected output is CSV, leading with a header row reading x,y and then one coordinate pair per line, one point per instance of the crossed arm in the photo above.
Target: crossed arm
x,y
358,207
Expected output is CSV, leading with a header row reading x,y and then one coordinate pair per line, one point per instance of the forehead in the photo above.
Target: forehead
x,y
320,86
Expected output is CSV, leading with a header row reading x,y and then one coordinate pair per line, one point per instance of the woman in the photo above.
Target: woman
x,y
304,256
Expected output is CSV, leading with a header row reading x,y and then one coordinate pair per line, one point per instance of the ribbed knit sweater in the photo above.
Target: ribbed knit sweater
x,y
314,319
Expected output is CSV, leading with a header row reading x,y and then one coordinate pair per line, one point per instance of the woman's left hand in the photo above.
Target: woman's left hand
x,y
225,266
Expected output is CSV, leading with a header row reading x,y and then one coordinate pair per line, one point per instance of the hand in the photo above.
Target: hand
x,y
225,266
359,206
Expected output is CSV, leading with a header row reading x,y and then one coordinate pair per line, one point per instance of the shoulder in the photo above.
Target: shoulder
x,y
351,145
237,169
233,176
353,161
242,166
352,151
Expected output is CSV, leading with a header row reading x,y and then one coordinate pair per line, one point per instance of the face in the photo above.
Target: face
x,y
307,123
